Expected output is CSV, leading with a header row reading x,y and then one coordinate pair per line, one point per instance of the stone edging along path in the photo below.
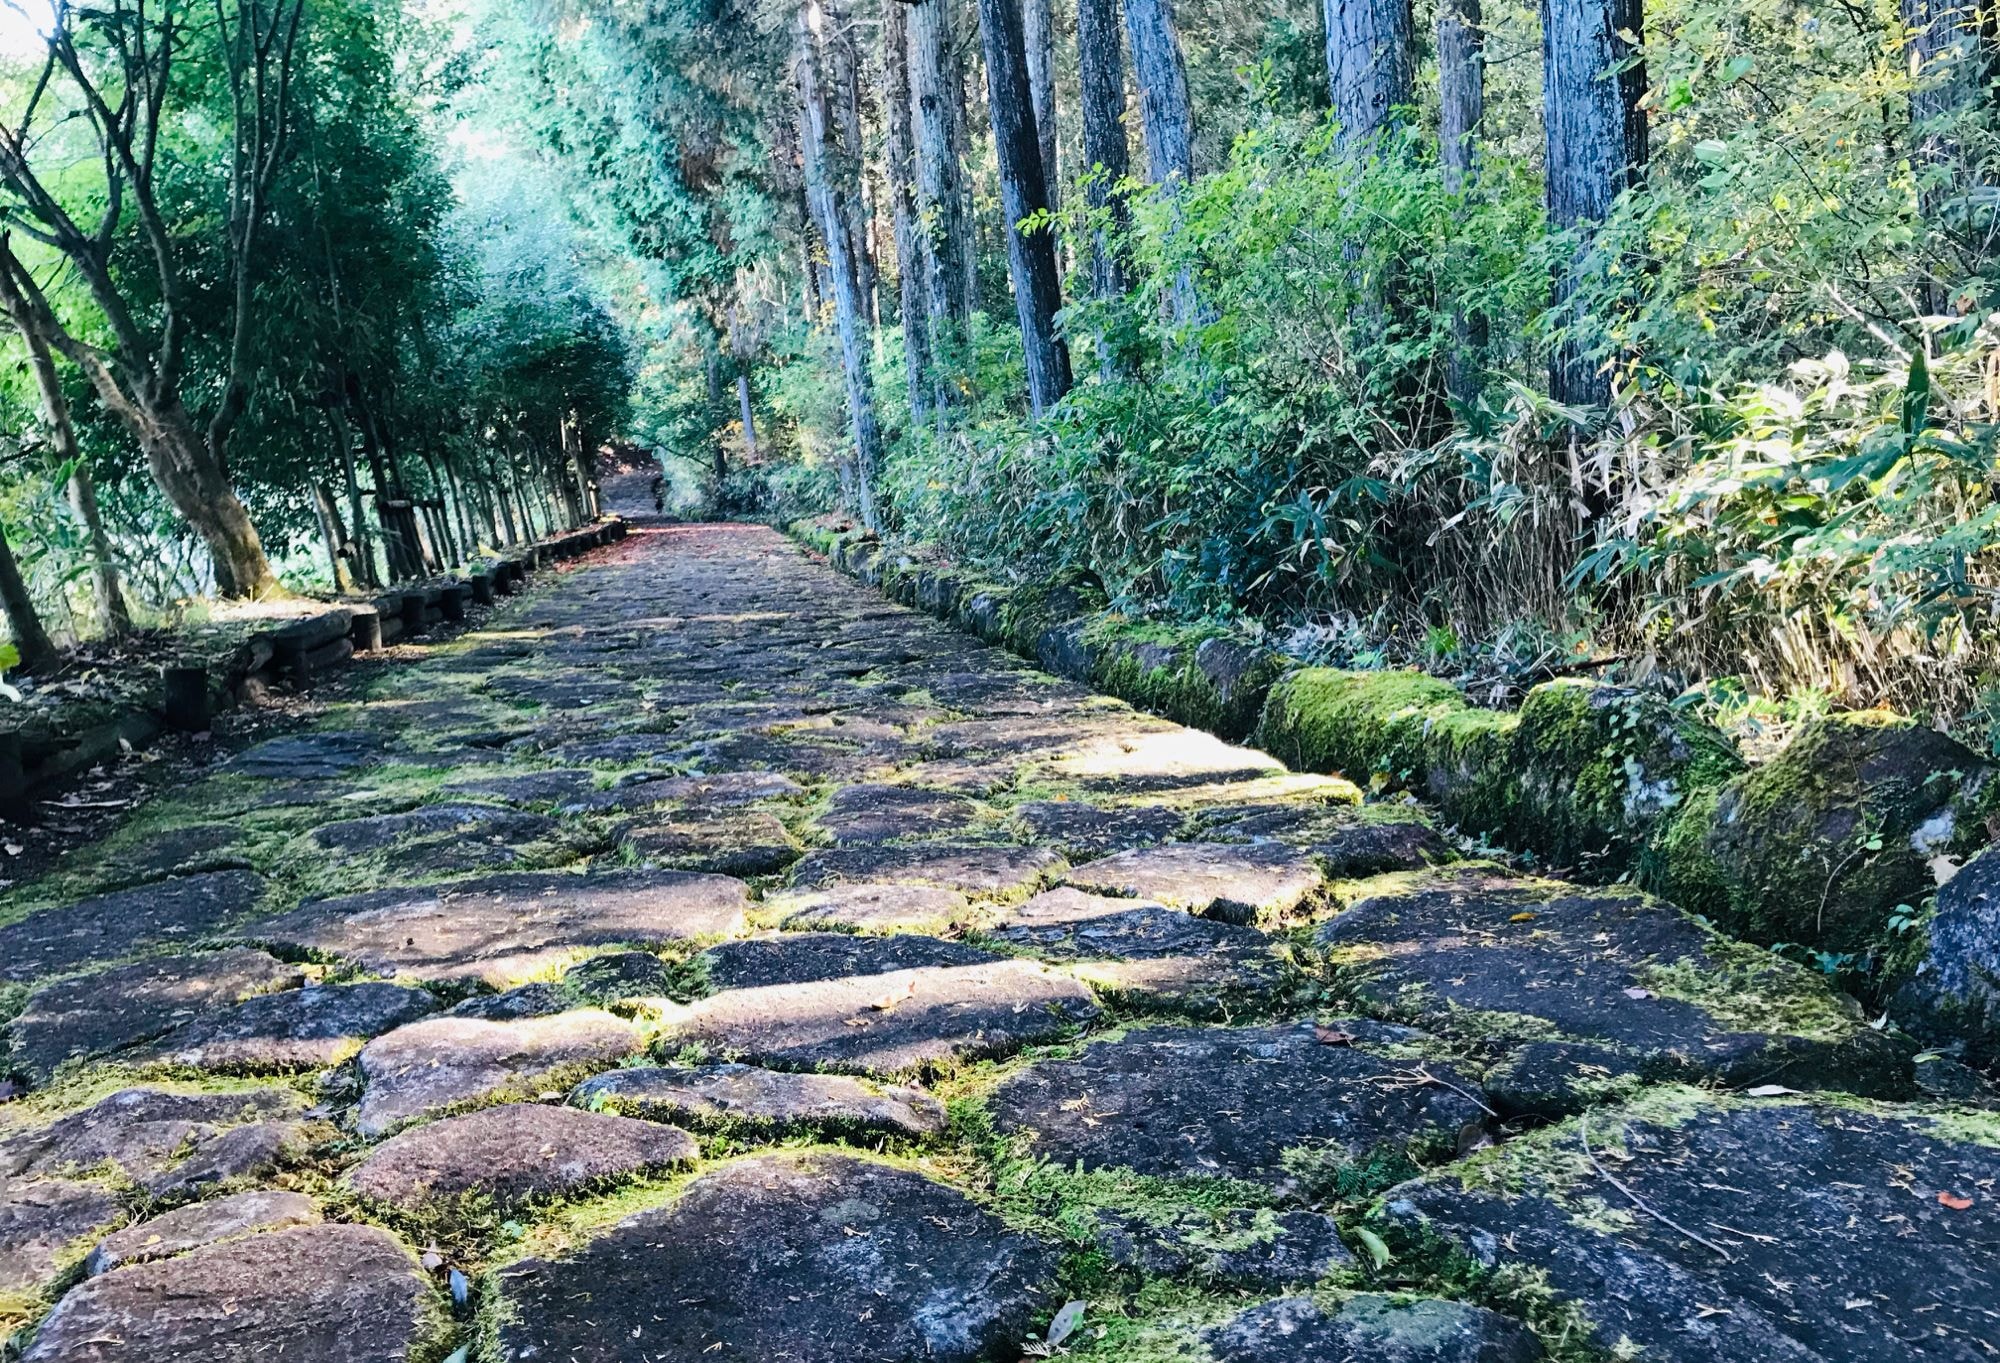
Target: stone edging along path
x,y
707,959
1837,845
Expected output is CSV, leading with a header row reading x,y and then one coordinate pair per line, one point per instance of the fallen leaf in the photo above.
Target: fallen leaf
x,y
1954,1201
1065,1323
1377,1248
1522,918
1635,992
1768,1091
1332,1036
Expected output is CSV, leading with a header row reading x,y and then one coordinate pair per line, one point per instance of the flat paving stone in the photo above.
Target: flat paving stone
x,y
201,1223
808,1259
1740,1228
299,1029
1368,1328
870,908
738,843
327,1293
1140,948
502,929
93,1015
528,787
41,1221
1082,831
1244,1103
183,909
860,814
720,790
1232,882
618,975
440,1063
731,1095
877,1005
1501,961
1347,842
313,756
514,1153
466,822
984,871
160,1139
187,850
1257,1249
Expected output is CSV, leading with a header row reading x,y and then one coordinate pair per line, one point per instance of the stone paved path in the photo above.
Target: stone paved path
x,y
708,960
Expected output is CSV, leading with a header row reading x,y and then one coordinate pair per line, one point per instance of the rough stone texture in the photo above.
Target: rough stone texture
x,y
872,908
618,975
465,822
995,871
1228,1102
551,787
162,1140
97,1014
1235,883
329,1294
501,929
720,790
874,814
1346,842
1954,992
186,850
300,1029
1255,1249
41,1220
743,1095
513,1153
441,1062
527,1001
1082,831
201,1223
1496,960
1833,1233
813,1259
738,843
306,757
184,909
1136,947
1372,1329
877,1005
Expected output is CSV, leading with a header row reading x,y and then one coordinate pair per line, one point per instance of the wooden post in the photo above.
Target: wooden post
x,y
184,698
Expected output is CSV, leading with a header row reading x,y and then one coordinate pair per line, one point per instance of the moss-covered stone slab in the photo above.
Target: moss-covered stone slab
x,y
1082,831
1498,961
1346,841
1254,1248
528,787
105,927
870,908
720,790
330,1293
736,843
91,1015
810,1259
1953,992
454,819
441,1063
42,1222
885,1006
502,929
1375,1328
199,1224
1145,950
298,1029
1291,1106
623,750
186,850
311,756
1237,883
1709,1229
618,975
514,1153
161,1139
1158,759
984,871
732,1096
867,813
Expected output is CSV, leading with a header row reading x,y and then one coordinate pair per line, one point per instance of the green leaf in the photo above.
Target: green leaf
x,y
1377,1248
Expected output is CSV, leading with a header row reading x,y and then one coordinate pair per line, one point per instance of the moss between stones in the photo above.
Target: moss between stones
x,y
1361,724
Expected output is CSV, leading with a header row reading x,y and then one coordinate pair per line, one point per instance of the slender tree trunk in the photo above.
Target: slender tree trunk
x,y
1951,66
1461,57
364,543
936,102
1370,64
1167,114
719,452
1038,36
900,150
31,640
1107,153
339,550
1596,149
103,561
850,316
1031,255
842,59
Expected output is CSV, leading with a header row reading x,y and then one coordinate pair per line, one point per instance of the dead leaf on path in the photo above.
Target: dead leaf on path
x,y
1635,992
1522,917
1955,1202
894,997
1332,1036
1768,1091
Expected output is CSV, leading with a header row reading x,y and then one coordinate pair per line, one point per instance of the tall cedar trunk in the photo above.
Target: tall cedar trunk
x,y
935,105
740,350
1596,149
1107,153
843,85
1461,56
31,641
966,95
850,318
103,561
1370,66
719,453
1031,256
1951,68
339,549
1167,114
900,149
1038,37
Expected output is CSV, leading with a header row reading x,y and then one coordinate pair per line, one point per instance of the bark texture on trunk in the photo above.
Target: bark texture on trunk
x,y
1370,65
842,60
1596,145
103,560
900,152
850,317
1461,56
1107,153
1031,256
1165,109
945,248
339,549
1038,36
31,641
1951,66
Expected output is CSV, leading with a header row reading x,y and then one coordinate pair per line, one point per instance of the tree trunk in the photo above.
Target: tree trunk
x,y
1107,153
1370,64
936,99
719,453
186,470
1951,68
900,152
364,543
1596,149
1031,256
842,74
339,551
1165,109
1038,36
31,641
1461,56
103,561
850,317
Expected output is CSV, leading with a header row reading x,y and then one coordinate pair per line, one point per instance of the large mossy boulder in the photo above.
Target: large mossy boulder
x,y
1596,767
1193,675
1953,992
1041,608
1821,845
